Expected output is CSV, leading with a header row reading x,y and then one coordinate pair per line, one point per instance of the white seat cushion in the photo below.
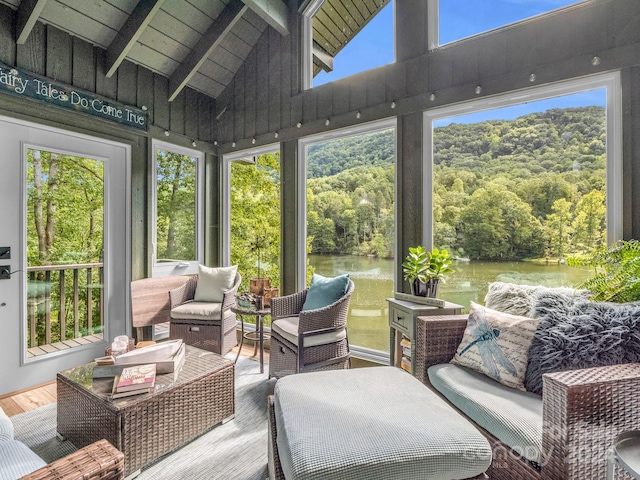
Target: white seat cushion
x,y
372,423
6,427
197,311
17,460
287,327
514,417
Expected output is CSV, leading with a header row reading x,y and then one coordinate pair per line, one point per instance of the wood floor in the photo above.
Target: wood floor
x,y
23,401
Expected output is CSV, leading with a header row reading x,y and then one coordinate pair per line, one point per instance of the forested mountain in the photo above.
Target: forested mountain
x,y
373,149
522,188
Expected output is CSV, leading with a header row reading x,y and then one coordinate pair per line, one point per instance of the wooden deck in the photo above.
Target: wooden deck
x,y
25,400
63,345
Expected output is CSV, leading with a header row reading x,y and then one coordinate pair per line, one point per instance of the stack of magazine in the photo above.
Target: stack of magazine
x,y
134,381
168,357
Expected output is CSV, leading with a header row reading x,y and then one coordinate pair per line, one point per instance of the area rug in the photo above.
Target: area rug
x,y
236,450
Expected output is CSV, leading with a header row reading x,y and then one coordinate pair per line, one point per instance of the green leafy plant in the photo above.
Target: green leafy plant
x,y
425,265
415,266
616,272
438,264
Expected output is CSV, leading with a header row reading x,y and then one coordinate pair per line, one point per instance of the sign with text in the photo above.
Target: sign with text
x,y
25,84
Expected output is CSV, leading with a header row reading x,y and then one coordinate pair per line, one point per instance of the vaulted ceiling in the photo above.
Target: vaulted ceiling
x,y
199,43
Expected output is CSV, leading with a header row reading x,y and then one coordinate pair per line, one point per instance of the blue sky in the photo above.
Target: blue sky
x,y
373,47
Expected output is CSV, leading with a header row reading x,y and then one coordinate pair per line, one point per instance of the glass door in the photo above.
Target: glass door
x,y
65,242
65,249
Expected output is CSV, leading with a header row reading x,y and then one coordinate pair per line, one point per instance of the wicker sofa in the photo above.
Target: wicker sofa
x,y
582,411
100,460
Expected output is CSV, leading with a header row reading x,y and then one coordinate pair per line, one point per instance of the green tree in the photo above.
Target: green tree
x,y
255,212
589,221
498,225
65,205
175,206
558,227
541,192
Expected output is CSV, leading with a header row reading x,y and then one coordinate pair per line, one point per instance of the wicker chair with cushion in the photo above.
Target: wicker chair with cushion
x,y
201,310
570,427
306,339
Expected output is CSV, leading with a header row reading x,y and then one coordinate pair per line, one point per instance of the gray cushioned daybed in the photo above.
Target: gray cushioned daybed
x,y
369,423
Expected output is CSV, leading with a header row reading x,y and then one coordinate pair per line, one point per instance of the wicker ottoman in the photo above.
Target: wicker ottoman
x,y
368,423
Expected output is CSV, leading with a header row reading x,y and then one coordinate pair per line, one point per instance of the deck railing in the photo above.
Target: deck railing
x,y
49,297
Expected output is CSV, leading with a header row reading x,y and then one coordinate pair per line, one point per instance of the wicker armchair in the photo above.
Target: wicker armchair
x,y
583,410
207,325
319,338
98,461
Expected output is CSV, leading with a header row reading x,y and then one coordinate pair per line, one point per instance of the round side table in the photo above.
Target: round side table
x,y
258,335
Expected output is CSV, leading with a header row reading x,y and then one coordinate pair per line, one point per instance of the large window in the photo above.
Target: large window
x,y
349,222
520,183
454,20
345,38
177,208
252,218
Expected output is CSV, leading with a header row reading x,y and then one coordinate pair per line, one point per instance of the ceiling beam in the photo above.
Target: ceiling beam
x,y
212,38
322,58
130,32
28,14
274,12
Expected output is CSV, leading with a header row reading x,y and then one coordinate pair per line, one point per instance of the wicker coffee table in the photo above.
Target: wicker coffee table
x,y
182,406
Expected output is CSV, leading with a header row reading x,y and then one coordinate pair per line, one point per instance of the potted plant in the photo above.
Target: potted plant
x,y
425,270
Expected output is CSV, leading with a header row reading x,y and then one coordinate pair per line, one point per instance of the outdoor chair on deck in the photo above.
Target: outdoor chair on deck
x,y
306,339
201,310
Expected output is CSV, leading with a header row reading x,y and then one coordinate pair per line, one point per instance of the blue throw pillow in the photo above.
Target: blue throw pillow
x,y
324,291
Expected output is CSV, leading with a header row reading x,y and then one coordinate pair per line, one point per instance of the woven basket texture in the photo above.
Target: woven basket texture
x,y
218,336
145,427
206,334
98,461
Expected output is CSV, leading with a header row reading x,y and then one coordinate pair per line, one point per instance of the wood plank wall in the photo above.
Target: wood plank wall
x,y
191,117
59,56
554,47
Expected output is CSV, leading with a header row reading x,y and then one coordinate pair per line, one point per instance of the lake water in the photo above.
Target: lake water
x,y
373,278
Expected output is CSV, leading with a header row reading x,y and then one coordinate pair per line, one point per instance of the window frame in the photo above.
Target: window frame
x,y
180,267
369,354
433,22
303,143
307,42
226,191
306,33
614,177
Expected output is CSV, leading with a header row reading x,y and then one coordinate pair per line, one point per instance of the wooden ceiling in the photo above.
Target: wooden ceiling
x,y
199,43
337,22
